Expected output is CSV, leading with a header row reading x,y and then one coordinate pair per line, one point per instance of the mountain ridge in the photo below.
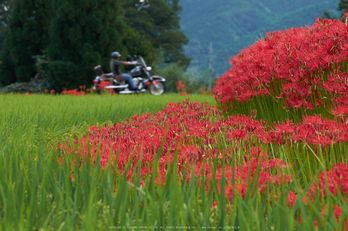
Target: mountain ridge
x,y
232,25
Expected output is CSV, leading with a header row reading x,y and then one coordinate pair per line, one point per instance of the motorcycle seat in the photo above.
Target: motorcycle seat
x,y
109,75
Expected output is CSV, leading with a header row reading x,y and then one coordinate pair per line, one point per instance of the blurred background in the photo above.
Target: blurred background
x,y
54,44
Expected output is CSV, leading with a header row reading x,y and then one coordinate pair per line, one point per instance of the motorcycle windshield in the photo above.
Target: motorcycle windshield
x,y
142,61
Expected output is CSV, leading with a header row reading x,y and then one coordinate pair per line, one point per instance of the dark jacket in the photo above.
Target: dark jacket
x,y
115,66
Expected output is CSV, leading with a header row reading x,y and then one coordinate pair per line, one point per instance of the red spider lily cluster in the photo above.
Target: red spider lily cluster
x,y
50,91
104,84
345,17
304,67
204,91
181,88
333,181
337,212
73,92
189,135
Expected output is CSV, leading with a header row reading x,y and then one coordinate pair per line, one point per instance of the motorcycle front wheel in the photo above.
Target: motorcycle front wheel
x,y
157,89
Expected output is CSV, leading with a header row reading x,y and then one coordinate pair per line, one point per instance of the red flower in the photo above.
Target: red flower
x,y
180,86
193,131
299,63
337,212
345,15
292,198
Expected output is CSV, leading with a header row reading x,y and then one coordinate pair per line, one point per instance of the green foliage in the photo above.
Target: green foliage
x,y
173,73
27,37
342,6
76,36
5,14
159,23
136,45
64,73
98,29
199,80
83,34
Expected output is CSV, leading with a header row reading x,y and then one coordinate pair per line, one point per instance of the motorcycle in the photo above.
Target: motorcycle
x,y
142,78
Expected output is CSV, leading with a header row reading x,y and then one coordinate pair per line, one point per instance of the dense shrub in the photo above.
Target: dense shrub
x,y
27,36
172,73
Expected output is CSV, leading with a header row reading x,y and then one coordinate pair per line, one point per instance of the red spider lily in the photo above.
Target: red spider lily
x,y
292,198
345,17
192,137
180,86
184,124
73,92
52,91
305,63
204,91
104,84
337,212
335,180
188,153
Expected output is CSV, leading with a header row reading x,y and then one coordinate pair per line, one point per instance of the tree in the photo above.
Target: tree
x,y
27,36
136,45
5,13
159,23
342,6
173,72
83,34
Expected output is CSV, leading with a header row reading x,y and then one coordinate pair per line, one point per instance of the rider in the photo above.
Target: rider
x,y
115,64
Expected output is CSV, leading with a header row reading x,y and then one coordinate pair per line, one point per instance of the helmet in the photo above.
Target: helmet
x,y
115,55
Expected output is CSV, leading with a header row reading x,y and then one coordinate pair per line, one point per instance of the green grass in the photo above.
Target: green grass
x,y
34,191
272,110
37,193
27,121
